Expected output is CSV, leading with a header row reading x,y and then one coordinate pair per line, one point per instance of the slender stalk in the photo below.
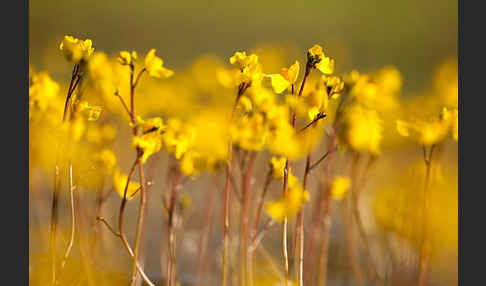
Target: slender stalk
x,y
226,194
325,226
207,223
424,247
120,224
140,222
54,212
72,224
355,195
300,228
245,217
268,180
321,221
226,199
57,178
171,255
285,257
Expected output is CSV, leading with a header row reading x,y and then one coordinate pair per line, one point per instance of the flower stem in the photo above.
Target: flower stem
x,y
226,194
72,225
171,254
245,217
424,246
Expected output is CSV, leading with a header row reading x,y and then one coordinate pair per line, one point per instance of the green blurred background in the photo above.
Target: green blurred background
x,y
413,35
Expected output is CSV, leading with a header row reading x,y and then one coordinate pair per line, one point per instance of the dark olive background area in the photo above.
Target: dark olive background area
x,y
413,35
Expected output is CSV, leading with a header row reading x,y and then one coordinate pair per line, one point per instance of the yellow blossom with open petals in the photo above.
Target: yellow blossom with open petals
x,y
250,70
149,144
126,58
76,50
318,60
286,78
154,66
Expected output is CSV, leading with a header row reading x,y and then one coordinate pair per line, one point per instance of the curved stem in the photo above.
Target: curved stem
x,y
72,227
120,224
140,222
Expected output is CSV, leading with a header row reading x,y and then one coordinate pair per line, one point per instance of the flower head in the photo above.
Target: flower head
x,y
76,50
318,60
287,77
250,70
154,66
126,58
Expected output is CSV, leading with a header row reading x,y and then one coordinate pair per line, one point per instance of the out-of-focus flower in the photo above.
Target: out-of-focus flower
x,y
106,159
432,131
362,129
120,182
76,50
91,112
278,166
154,66
178,137
41,91
340,187
294,200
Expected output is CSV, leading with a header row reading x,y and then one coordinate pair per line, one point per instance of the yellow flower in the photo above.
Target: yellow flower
x,y
120,182
154,124
334,85
339,187
243,60
286,78
293,202
192,163
362,129
178,137
244,104
154,66
318,60
92,112
107,160
278,166
250,69
125,58
430,132
149,144
76,50
42,91
250,132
